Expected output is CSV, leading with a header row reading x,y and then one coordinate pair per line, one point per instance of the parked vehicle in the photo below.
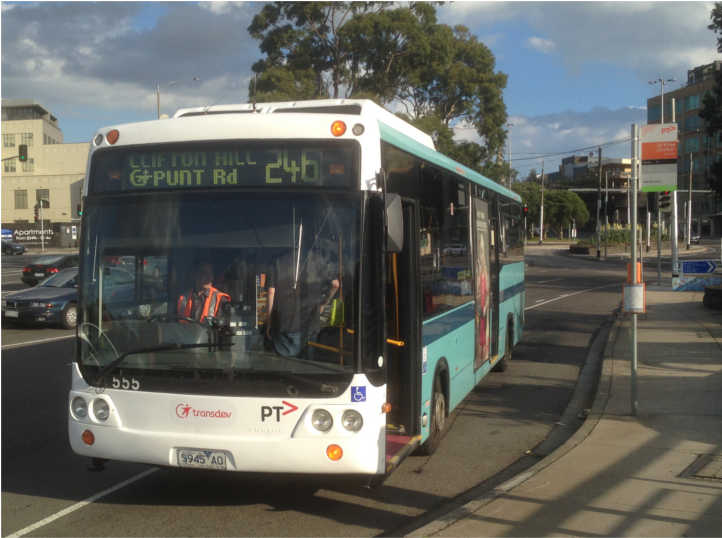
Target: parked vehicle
x,y
46,266
694,239
11,247
53,301
454,249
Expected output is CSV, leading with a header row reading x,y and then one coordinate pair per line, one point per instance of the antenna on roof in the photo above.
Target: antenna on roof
x,y
253,93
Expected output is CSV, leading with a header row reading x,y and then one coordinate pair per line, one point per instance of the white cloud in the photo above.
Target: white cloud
x,y
542,45
645,37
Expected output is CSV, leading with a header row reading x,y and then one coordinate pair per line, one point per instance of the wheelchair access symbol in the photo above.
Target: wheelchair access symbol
x,y
358,394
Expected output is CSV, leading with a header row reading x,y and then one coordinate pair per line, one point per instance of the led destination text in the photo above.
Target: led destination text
x,y
218,168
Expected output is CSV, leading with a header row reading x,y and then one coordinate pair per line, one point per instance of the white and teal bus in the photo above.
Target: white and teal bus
x,y
363,284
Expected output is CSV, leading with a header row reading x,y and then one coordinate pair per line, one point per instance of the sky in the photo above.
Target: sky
x,y
578,72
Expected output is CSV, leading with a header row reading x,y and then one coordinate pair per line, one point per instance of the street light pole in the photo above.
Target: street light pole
x,y
689,201
509,125
541,209
661,81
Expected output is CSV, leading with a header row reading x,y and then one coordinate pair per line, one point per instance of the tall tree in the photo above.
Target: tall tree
x,y
711,111
389,52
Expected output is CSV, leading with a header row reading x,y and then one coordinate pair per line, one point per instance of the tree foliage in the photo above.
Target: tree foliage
x,y
562,208
711,111
440,76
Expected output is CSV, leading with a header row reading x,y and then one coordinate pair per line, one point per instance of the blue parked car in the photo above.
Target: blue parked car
x,y
54,300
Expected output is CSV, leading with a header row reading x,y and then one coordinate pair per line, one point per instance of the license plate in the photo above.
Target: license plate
x,y
40,275
202,459
11,314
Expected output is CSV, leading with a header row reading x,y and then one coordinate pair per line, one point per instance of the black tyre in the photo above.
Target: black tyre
x,y
437,425
69,316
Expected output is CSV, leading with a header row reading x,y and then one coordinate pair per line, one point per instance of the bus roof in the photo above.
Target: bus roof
x,y
393,129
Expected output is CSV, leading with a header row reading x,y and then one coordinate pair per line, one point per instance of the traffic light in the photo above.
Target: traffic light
x,y
37,215
665,201
526,210
79,210
23,153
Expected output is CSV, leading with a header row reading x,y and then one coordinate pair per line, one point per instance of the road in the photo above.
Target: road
x,y
48,491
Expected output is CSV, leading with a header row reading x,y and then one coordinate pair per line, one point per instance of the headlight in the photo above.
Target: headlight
x,y
352,420
101,410
79,407
37,304
322,420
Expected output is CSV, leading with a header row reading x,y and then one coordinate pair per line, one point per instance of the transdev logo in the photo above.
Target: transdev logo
x,y
187,411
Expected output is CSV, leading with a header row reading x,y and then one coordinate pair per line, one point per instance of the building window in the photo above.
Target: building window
x,y
692,123
692,102
29,165
691,145
42,194
653,113
27,138
8,140
21,199
9,165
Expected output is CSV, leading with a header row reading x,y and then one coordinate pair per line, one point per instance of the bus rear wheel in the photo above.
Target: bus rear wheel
x,y
438,420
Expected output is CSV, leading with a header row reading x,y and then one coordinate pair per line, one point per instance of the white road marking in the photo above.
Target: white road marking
x,y
41,341
564,296
81,504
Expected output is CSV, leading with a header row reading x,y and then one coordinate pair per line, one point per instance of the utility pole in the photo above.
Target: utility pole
x,y
599,204
606,212
635,178
541,208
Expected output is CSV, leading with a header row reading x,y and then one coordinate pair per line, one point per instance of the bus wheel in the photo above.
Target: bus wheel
x,y
438,420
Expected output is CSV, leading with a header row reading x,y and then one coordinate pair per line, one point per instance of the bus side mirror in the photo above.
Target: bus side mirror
x,y
394,223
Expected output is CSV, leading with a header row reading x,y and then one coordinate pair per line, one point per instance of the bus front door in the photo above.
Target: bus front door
x,y
403,314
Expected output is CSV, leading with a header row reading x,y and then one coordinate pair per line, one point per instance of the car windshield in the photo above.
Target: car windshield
x,y
63,279
47,260
176,289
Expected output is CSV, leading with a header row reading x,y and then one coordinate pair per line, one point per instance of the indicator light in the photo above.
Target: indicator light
x,y
88,437
112,136
334,452
386,408
338,128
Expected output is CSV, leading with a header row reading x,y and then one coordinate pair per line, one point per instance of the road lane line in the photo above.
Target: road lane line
x,y
566,295
41,341
81,504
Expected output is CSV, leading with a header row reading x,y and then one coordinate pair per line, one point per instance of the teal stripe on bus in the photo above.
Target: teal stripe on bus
x,y
401,141
435,328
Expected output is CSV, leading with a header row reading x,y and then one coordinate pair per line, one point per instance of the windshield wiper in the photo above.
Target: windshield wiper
x,y
150,349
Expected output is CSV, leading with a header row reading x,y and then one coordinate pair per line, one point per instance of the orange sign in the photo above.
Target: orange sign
x,y
656,151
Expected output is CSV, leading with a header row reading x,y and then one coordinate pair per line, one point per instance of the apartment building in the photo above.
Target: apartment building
x,y
697,150
54,170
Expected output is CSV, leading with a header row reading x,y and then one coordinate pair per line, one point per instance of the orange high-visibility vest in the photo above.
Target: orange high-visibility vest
x,y
211,304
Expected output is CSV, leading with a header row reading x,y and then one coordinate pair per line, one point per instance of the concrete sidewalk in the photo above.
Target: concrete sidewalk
x,y
655,474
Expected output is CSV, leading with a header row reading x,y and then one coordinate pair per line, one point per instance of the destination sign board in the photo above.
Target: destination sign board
x,y
268,165
659,157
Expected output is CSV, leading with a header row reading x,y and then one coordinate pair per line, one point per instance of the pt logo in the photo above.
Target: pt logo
x,y
268,411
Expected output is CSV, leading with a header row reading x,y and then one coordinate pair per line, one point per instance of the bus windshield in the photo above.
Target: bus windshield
x,y
239,293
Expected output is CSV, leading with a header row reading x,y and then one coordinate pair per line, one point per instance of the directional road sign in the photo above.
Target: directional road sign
x,y
698,267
